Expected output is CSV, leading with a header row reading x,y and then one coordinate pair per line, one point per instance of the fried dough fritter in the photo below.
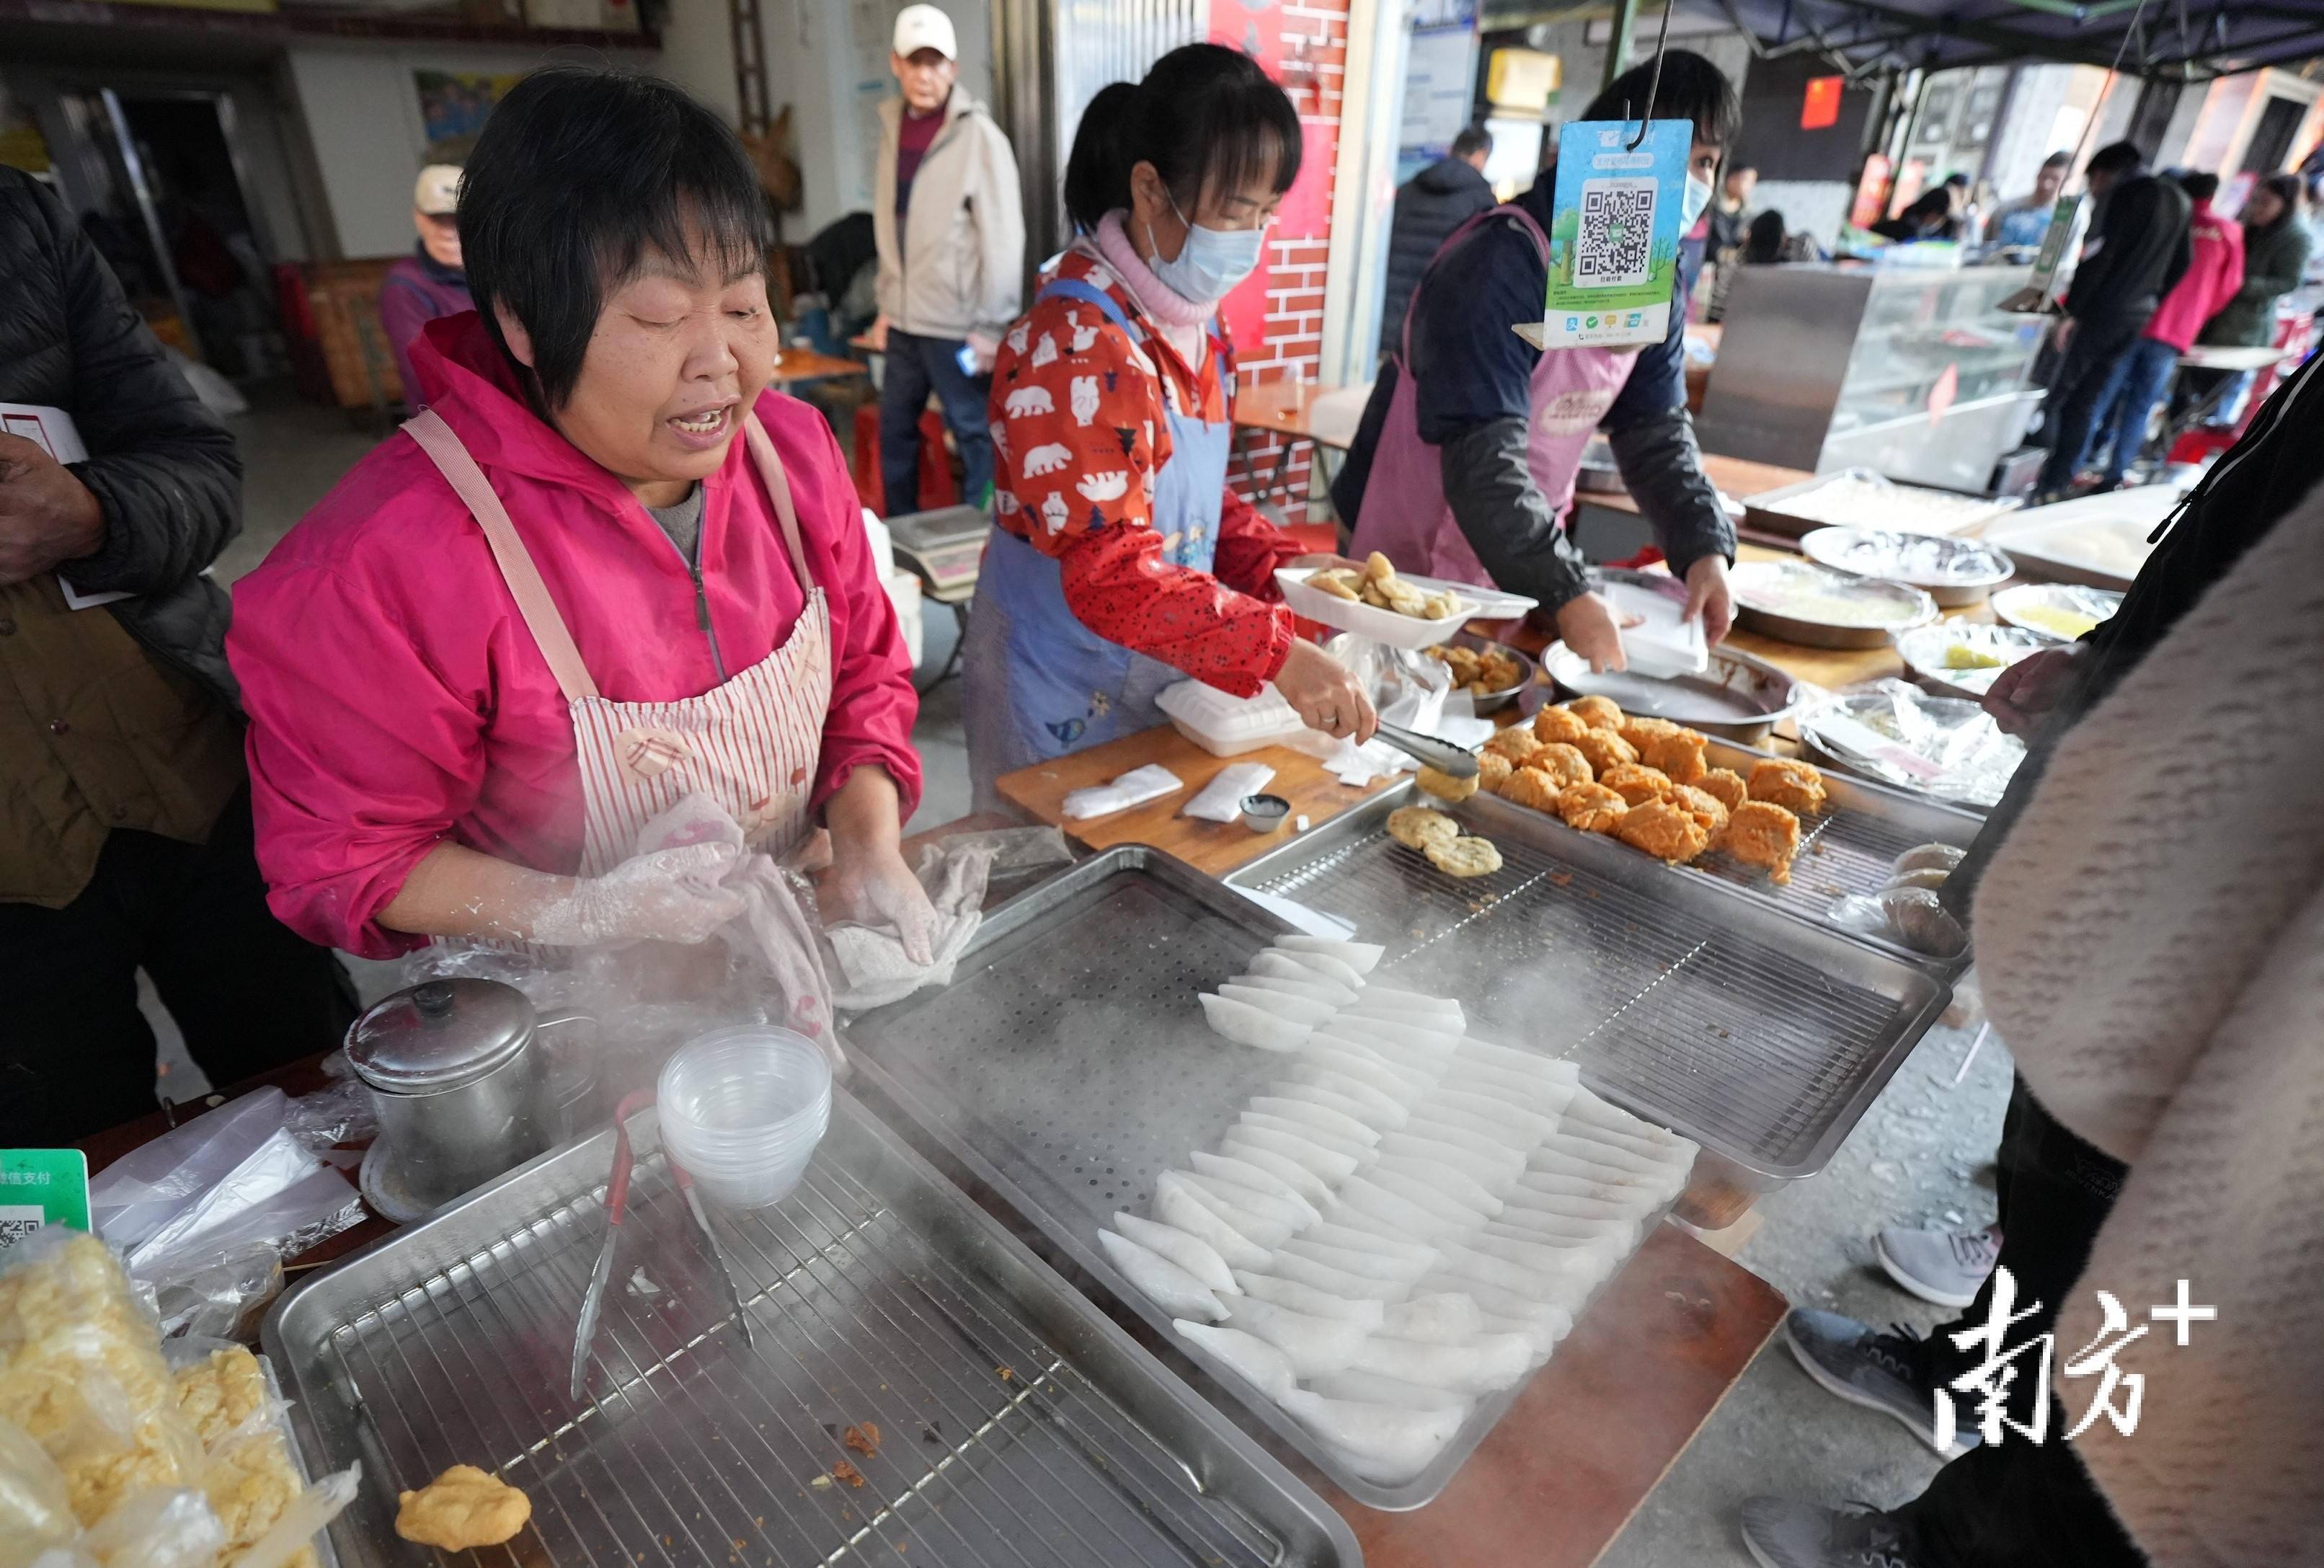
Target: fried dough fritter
x,y
1600,713
1465,857
1516,743
1533,787
1493,771
1603,748
1662,830
1702,804
1635,782
462,1509
1446,787
1417,826
1725,784
1679,754
1642,731
1760,832
1556,724
1591,809
1796,786
1565,763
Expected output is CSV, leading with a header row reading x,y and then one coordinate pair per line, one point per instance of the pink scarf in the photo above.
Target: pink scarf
x,y
1161,301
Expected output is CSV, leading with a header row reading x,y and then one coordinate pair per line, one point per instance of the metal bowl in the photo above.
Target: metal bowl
x,y
1528,671
1767,596
1954,572
1924,650
1739,698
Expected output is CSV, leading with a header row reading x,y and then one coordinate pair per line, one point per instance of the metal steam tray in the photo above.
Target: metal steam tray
x,y
1017,1426
1691,1003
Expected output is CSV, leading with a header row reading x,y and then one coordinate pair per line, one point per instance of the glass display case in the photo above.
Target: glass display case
x,y
1912,371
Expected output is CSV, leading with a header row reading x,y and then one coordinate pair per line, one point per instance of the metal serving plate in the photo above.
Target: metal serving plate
x,y
1762,605
1954,572
1740,697
1528,671
1017,1426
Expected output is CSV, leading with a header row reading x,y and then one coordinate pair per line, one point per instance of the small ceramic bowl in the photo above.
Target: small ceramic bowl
x,y
1264,813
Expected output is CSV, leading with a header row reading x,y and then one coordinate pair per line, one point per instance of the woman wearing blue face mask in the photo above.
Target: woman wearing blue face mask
x,y
1464,463
1120,563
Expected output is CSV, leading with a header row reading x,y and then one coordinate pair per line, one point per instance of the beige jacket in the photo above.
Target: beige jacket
x,y
2152,943
960,267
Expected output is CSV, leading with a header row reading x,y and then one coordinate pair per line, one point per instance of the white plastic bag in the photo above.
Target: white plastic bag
x,y
1221,800
1135,787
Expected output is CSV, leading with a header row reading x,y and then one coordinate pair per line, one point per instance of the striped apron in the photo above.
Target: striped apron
x,y
750,744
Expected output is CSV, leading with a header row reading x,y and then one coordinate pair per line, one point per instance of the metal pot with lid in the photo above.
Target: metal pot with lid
x,y
465,1087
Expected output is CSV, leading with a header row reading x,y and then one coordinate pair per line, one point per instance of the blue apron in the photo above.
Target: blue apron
x,y
1037,684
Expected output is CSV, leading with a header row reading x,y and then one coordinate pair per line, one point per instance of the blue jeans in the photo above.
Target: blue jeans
x,y
2089,380
918,365
2142,377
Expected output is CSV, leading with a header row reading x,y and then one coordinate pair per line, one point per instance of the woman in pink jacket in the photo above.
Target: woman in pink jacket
x,y
606,571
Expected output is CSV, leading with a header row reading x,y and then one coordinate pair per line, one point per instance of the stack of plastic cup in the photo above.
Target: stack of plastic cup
x,y
741,1111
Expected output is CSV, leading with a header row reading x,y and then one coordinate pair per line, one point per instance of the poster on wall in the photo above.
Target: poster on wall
x,y
1286,49
455,104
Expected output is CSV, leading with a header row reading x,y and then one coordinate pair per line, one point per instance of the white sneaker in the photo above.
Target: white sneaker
x,y
1945,1267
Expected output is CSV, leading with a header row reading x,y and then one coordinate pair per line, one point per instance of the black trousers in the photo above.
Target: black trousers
x,y
2086,378
76,1054
2012,1503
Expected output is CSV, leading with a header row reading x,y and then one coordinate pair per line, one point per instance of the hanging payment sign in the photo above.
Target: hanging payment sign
x,y
1614,234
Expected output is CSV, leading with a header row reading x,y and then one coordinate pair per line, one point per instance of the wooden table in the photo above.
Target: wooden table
x,y
798,364
1286,408
1215,847
1737,476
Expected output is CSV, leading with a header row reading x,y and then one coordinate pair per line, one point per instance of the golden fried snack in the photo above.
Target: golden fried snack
x,y
1417,827
1493,771
1727,785
1664,830
1534,787
1635,783
1556,724
1465,857
1336,584
1760,832
1565,763
1702,804
1516,743
1679,754
1642,731
1794,786
1464,662
462,1509
1378,568
222,1392
1591,809
1600,713
1446,787
1603,748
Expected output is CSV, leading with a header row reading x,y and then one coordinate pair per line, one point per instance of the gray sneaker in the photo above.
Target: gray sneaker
x,y
1887,1372
1781,1534
1946,1266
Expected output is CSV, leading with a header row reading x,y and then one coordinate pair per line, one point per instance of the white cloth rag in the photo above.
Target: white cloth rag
x,y
873,967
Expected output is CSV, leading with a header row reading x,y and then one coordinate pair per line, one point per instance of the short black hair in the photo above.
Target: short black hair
x,y
1763,242
2059,160
1692,89
1958,178
1472,141
578,175
2116,158
1206,116
2286,187
2199,185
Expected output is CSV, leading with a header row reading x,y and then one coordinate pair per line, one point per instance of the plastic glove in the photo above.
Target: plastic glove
x,y
671,895
872,886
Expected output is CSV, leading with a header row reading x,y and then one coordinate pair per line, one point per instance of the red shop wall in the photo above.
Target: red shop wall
x,y
1276,317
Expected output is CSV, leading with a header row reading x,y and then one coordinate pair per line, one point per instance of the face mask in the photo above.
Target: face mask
x,y
1691,205
1210,262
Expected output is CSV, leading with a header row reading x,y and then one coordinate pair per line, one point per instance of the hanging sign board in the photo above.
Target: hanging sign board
x,y
2065,227
1614,235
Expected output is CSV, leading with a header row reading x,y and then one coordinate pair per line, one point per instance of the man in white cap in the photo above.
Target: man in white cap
x,y
428,282
950,223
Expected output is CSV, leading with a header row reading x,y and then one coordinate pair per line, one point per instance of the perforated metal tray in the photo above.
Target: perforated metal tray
x,y
1692,1003
1017,1426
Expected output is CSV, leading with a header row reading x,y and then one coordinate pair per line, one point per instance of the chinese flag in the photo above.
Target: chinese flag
x,y
1821,109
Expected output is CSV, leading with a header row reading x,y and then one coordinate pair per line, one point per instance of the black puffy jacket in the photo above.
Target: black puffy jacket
x,y
1429,207
161,466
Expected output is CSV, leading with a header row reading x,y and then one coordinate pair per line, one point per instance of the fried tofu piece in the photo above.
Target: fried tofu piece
x,y
1417,826
1565,763
1702,804
1603,748
1532,788
1493,771
1446,787
1636,783
1591,809
1465,857
1680,755
1667,832
1516,743
1600,713
1727,785
1642,731
1796,786
462,1509
1759,832
1557,724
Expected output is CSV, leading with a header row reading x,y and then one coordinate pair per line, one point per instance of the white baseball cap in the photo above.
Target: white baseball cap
x,y
436,192
919,27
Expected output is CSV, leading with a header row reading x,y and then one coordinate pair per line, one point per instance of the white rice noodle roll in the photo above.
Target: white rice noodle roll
x,y
1306,1271
1567,1295
1544,1326
1599,1111
1442,1318
1567,1206
1246,1025
1382,1442
1421,1001
1488,1362
1494,1167
1372,1389
1314,1344
1249,1357
1189,1252
1267,1231
1331,1234
1311,1127
1364,1265
1336,971
1315,1112
1552,1071
1297,1010
1420,1222
1363,957
1244,1173
1447,1210
1556,1158
1453,1181
1306,1183
1306,983
1547,1100
1612,1148
1442,1121
1533,1249
1402,1037
1326,1163
1413,1062
1163,1282
1558,1286
1372,1107
1388,1012
1530,1124
1398,1084
1180,1204
1292,1212
1538,1184
1280,1292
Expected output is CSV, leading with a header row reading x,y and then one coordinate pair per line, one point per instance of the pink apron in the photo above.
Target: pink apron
x,y
1403,515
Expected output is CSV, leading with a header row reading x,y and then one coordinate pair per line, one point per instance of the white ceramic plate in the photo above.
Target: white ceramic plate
x,y
1926,651
1385,626
2038,606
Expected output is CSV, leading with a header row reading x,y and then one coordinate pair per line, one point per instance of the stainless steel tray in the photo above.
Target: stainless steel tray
x,y
1018,1424
1684,1000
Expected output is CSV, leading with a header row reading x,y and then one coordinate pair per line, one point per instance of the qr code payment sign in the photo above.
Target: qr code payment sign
x,y
1613,245
18,1221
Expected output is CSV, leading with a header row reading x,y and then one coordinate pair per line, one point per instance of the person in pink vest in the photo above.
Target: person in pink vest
x,y
2215,272
1465,464
608,572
